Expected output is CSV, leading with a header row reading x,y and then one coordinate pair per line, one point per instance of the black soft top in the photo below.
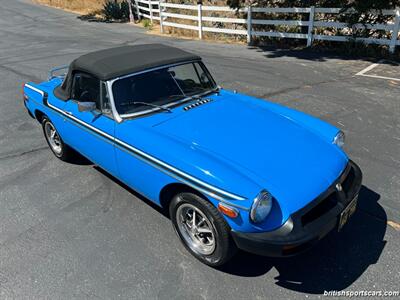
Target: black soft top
x,y
115,62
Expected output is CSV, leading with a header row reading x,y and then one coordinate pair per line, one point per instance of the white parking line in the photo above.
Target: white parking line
x,y
369,68
382,77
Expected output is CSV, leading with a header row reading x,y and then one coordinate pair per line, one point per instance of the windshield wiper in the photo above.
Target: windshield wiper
x,y
201,94
177,95
213,90
153,105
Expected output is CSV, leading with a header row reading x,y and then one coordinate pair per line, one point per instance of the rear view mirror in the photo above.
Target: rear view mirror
x,y
86,106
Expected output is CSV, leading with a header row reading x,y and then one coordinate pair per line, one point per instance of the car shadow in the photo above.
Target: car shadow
x,y
335,262
315,54
132,192
79,159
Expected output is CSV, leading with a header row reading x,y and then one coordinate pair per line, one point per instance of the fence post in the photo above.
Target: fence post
x,y
249,26
151,11
131,17
137,10
395,32
200,21
160,15
310,26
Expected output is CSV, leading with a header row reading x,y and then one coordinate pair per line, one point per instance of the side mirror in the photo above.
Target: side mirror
x,y
86,106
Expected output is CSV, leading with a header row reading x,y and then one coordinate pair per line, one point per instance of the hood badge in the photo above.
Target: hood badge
x,y
197,103
339,187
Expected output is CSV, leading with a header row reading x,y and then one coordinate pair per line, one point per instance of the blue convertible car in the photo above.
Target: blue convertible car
x,y
231,170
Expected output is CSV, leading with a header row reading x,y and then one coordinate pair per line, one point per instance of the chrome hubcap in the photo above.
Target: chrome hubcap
x,y
196,229
53,138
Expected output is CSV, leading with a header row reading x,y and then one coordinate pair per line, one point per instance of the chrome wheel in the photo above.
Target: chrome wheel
x,y
53,138
196,229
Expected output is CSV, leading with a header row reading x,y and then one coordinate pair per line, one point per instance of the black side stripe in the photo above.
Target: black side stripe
x,y
204,187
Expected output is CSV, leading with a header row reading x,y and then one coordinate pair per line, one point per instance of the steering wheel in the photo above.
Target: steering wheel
x,y
86,96
189,82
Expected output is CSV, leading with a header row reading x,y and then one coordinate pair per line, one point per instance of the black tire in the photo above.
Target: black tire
x,y
225,248
66,153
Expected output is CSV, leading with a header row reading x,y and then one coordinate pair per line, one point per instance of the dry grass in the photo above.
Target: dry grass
x,y
79,6
94,7
216,37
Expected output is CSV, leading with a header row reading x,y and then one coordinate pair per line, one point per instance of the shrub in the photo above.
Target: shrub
x,y
146,23
114,10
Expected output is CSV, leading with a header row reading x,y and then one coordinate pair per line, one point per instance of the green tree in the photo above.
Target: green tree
x,y
354,11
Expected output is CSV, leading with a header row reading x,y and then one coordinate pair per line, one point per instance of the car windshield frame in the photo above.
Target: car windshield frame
x,y
175,102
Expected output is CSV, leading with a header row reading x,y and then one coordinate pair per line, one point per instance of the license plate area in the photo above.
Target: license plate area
x,y
347,212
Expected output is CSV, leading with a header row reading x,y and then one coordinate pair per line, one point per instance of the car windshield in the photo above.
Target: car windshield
x,y
161,87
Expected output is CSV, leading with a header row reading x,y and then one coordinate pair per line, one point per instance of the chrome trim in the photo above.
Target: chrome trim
x,y
111,96
145,112
70,116
201,186
120,117
339,139
196,104
254,205
51,73
34,89
206,192
179,173
192,231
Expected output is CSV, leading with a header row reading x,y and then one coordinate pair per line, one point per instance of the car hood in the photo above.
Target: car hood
x,y
277,152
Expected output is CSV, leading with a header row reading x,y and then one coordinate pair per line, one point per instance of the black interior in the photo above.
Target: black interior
x,y
86,88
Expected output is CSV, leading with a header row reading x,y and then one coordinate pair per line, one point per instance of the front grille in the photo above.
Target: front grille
x,y
348,181
336,198
320,209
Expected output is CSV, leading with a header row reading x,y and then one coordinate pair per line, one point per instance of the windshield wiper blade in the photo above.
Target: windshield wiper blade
x,y
177,95
152,105
214,90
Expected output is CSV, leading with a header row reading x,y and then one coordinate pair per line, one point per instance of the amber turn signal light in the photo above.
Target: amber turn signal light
x,y
228,211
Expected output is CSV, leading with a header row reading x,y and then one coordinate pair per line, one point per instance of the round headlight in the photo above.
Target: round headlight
x,y
339,139
261,207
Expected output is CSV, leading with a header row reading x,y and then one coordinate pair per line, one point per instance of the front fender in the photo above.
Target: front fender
x,y
189,163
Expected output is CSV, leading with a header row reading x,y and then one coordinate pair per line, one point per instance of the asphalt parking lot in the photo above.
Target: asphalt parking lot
x,y
71,231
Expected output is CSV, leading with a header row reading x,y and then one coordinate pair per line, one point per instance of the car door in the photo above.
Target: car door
x,y
91,132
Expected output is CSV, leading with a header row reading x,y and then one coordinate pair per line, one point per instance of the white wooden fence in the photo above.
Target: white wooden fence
x,y
161,11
